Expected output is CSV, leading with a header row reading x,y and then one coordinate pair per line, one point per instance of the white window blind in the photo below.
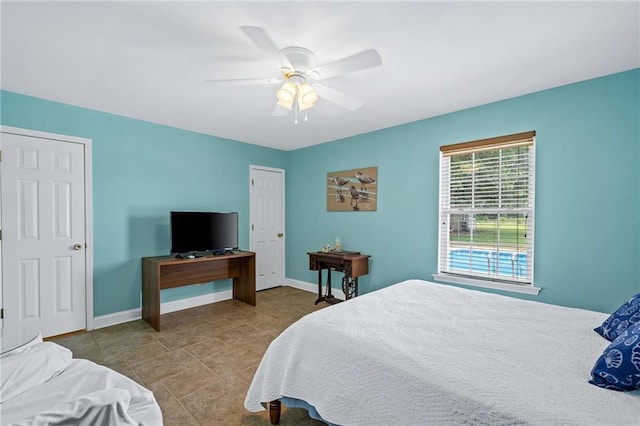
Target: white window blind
x,y
487,209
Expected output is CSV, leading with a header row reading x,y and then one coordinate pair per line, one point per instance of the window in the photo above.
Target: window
x,y
486,211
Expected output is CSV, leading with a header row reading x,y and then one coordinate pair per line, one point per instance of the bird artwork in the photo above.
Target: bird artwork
x,y
355,195
358,185
364,180
340,181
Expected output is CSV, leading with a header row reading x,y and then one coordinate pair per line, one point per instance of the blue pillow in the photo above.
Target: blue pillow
x,y
626,315
618,367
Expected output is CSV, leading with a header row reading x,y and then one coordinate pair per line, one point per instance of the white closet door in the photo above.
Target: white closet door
x,y
43,234
267,226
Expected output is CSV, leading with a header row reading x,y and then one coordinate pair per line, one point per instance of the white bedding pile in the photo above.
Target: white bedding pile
x,y
31,367
423,353
43,385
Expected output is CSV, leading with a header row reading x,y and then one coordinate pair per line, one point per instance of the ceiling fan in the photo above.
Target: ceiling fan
x,y
301,76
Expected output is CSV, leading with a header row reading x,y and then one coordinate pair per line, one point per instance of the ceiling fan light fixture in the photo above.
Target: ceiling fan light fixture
x,y
307,97
287,105
286,93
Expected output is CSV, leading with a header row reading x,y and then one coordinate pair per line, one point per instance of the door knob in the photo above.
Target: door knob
x,y
77,246
280,234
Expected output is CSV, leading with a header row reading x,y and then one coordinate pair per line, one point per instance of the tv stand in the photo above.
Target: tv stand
x,y
162,272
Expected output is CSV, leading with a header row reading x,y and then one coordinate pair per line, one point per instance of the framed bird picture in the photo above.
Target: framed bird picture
x,y
353,190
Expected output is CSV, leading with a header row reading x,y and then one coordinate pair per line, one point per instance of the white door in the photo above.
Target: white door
x,y
267,225
43,234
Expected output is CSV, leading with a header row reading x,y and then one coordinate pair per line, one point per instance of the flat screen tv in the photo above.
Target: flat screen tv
x,y
193,232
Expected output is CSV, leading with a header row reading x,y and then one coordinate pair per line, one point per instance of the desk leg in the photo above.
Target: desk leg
x,y
320,298
244,285
328,297
151,294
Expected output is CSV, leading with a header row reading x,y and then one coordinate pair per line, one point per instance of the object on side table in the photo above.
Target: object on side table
x,y
337,245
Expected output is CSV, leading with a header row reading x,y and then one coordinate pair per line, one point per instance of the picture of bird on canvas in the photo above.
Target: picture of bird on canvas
x,y
353,190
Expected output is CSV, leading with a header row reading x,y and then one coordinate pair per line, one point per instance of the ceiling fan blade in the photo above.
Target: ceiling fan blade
x,y
337,97
245,81
261,39
367,59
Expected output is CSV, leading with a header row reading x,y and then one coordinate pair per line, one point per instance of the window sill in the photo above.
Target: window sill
x,y
515,288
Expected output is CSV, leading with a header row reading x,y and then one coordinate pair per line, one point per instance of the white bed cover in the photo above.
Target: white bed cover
x,y
423,353
44,385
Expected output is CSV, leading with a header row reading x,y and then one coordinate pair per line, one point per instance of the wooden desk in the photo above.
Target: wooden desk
x,y
352,263
163,272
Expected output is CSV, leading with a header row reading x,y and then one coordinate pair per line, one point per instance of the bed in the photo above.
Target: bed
x,y
42,384
424,353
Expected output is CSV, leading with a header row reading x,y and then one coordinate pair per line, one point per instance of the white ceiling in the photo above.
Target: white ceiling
x,y
150,60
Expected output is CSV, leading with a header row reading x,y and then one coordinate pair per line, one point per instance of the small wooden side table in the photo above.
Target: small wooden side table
x,y
352,263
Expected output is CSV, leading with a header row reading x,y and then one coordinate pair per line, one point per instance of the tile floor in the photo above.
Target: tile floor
x,y
200,365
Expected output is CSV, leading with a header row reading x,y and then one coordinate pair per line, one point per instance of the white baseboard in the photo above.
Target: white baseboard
x,y
301,285
165,308
116,318
191,302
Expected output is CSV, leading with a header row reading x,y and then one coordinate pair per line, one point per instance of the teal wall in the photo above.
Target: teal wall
x,y
587,190
587,235
141,171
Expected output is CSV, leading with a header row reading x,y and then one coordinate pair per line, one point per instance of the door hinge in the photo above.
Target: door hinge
x,y
2,313
251,182
0,234
252,226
